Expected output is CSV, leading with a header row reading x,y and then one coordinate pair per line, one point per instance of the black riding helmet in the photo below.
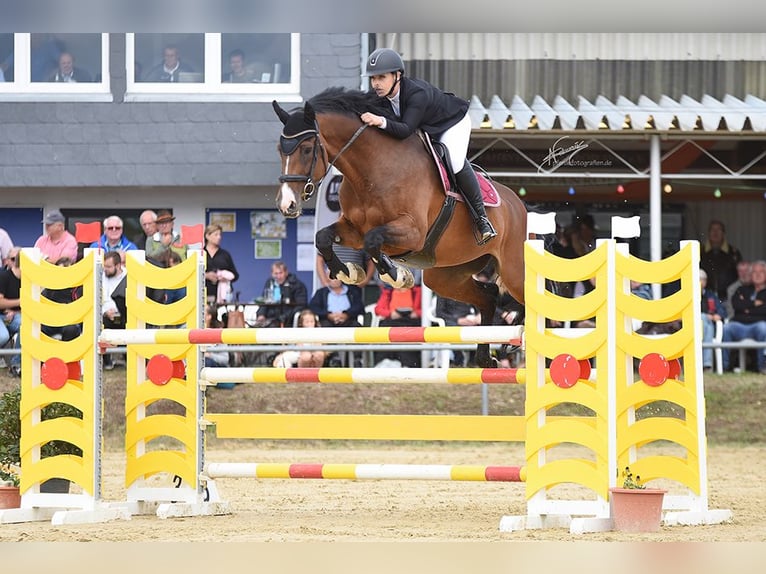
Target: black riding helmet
x,y
384,60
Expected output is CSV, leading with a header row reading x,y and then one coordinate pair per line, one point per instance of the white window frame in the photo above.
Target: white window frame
x,y
212,89
22,89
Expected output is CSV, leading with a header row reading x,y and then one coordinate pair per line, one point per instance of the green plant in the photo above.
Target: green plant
x,y
629,482
10,433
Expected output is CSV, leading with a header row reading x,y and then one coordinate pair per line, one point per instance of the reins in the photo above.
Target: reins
x,y
310,187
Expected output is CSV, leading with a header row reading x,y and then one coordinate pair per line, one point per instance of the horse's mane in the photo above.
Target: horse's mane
x,y
348,102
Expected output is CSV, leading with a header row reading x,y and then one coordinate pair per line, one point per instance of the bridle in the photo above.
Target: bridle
x,y
289,144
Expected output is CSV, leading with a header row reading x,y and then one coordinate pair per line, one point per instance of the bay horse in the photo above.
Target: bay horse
x,y
390,197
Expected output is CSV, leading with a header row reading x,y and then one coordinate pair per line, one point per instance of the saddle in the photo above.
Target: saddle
x,y
426,257
439,153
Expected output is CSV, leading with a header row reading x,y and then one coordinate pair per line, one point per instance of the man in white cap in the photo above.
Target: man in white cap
x,y
56,242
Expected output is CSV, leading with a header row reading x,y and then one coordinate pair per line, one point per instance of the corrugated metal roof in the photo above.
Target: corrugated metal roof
x,y
687,114
713,46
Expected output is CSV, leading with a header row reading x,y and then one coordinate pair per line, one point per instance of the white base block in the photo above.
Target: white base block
x,y
696,518
182,509
59,516
534,522
101,514
582,525
18,515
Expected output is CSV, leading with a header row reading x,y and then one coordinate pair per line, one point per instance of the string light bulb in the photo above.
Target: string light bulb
x,y
522,192
620,189
717,193
571,191
668,188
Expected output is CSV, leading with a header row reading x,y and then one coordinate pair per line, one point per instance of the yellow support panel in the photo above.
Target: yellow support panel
x,y
368,427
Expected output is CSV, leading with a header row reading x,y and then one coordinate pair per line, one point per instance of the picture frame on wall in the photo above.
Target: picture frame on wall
x,y
268,249
267,224
226,219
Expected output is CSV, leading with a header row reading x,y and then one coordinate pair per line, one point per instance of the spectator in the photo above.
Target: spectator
x,y
170,67
220,271
456,313
712,311
113,238
148,221
744,277
6,245
283,295
10,306
113,308
337,305
64,296
302,359
239,72
68,72
583,236
399,308
749,321
56,242
165,240
173,295
719,259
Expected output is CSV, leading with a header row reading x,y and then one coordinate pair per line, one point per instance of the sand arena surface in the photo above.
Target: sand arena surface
x,y
391,511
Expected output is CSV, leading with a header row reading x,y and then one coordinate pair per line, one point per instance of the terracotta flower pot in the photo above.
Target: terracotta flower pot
x,y
10,497
636,510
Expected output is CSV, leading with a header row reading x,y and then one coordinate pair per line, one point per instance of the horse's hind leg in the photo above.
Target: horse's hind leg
x,y
458,283
342,233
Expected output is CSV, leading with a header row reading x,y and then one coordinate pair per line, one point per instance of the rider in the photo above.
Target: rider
x,y
444,116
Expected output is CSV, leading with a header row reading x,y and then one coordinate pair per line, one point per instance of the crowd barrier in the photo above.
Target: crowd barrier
x,y
166,364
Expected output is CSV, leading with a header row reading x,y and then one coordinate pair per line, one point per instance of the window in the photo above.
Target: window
x,y
212,67
54,66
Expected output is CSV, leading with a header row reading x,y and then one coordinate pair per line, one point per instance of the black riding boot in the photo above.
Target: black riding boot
x,y
469,187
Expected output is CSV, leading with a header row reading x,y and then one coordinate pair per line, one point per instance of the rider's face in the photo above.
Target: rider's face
x,y
382,83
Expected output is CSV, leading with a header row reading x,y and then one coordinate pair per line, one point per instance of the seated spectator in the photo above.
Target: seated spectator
x,y
220,271
170,68
113,238
399,308
744,277
68,72
749,321
56,242
302,359
216,358
712,311
10,307
113,307
239,72
337,305
64,296
283,295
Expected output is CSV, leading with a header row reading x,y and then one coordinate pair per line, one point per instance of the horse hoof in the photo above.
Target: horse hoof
x,y
354,276
406,279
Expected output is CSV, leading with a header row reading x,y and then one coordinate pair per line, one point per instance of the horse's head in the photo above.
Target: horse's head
x,y
299,148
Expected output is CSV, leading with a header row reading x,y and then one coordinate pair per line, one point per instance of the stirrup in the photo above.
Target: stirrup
x,y
486,230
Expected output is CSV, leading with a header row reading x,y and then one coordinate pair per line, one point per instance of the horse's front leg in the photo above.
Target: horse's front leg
x,y
401,234
343,233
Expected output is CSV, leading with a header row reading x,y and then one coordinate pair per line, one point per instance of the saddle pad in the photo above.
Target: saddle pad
x,y
488,192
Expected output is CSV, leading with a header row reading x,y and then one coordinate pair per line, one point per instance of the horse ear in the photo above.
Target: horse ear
x,y
281,113
308,113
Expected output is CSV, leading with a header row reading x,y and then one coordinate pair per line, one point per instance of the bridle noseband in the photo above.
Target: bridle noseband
x,y
288,145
